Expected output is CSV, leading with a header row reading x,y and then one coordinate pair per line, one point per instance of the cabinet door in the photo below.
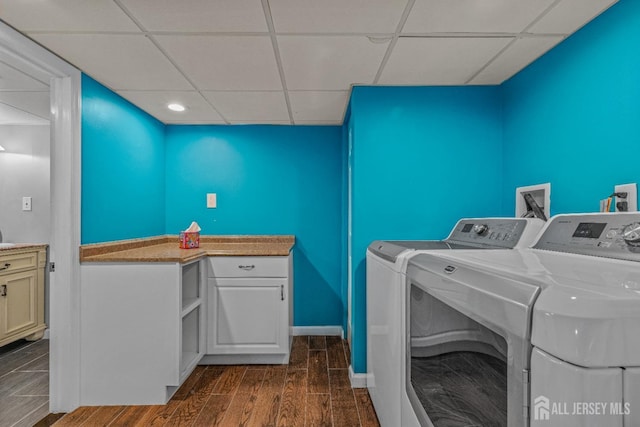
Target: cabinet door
x,y
18,303
248,316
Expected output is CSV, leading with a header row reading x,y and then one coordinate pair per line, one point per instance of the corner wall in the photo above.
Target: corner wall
x,y
422,158
122,168
268,180
572,118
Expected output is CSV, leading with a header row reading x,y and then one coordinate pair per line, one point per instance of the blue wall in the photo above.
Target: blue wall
x,y
122,168
573,116
422,157
269,180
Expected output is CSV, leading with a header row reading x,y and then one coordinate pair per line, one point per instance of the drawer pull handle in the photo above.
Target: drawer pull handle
x,y
3,291
281,292
247,267
6,265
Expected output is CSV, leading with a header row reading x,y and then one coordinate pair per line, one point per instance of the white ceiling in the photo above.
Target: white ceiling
x,y
290,61
23,99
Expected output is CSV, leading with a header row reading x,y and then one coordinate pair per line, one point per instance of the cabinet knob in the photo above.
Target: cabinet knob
x,y
247,267
3,291
6,265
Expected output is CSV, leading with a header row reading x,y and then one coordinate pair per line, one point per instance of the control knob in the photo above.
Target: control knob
x,y
631,234
481,229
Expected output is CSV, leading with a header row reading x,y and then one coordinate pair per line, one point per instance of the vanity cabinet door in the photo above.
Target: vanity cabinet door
x,y
18,303
248,316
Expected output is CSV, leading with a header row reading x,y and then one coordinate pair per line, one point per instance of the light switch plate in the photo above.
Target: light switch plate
x,y
632,196
26,204
212,200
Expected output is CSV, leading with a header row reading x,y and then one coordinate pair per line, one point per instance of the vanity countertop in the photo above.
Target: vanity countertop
x,y
21,247
166,248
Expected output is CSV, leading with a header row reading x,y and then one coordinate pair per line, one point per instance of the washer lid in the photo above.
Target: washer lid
x,y
589,314
390,250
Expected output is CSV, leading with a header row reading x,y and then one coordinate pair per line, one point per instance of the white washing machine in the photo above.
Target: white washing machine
x,y
562,317
386,265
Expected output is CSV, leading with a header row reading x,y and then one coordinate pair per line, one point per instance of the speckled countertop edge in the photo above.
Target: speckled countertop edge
x,y
166,248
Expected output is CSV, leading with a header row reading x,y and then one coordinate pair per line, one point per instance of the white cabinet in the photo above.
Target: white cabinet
x,y
249,309
142,330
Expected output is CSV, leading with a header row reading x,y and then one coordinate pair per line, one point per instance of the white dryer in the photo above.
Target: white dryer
x,y
386,298
564,316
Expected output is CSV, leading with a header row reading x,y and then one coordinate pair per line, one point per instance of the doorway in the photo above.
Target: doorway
x,y
22,54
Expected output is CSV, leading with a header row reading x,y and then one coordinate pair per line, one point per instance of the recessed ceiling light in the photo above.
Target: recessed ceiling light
x,y
176,107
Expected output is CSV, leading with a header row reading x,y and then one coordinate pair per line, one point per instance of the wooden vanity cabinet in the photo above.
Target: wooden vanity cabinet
x,y
22,294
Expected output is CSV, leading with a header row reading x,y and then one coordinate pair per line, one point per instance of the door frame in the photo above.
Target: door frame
x,y
64,320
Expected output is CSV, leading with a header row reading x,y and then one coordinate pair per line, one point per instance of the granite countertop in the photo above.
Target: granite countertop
x,y
167,248
21,247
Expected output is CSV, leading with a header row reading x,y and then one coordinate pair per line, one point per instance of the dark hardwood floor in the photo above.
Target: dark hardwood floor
x,y
24,383
313,390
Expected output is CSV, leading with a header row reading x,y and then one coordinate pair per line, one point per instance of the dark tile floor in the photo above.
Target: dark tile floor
x,y
462,389
24,383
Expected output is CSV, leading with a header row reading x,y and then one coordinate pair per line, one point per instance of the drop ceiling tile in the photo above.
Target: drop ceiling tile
x,y
199,15
439,61
225,62
336,16
473,16
569,15
66,15
329,62
12,79
318,106
319,122
119,61
155,103
250,106
14,116
517,56
36,103
260,122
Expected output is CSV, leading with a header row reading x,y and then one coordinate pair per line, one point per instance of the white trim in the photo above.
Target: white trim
x,y
357,380
64,81
334,331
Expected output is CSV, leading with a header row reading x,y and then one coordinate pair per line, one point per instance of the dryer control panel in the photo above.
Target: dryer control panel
x,y
611,235
502,233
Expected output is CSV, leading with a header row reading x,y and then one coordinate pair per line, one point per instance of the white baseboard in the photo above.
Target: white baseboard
x,y
244,359
318,330
357,380
46,334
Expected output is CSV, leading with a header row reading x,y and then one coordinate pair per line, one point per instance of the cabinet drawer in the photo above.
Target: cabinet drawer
x,y
248,266
18,262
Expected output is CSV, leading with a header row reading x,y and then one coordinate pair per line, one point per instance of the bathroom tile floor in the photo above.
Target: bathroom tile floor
x,y
24,383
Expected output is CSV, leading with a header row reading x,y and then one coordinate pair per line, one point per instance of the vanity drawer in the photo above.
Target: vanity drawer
x,y
18,262
262,266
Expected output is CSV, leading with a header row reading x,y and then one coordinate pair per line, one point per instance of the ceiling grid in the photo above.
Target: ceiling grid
x,y
291,61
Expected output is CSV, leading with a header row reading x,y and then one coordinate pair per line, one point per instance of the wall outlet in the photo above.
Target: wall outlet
x,y
212,200
26,204
631,199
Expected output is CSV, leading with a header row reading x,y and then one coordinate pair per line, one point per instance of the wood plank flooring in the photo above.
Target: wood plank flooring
x,y
313,390
24,383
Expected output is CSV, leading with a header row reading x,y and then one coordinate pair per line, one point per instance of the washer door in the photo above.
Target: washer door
x,y
481,319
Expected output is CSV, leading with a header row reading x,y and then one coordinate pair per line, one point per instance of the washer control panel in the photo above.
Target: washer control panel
x,y
612,235
489,232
